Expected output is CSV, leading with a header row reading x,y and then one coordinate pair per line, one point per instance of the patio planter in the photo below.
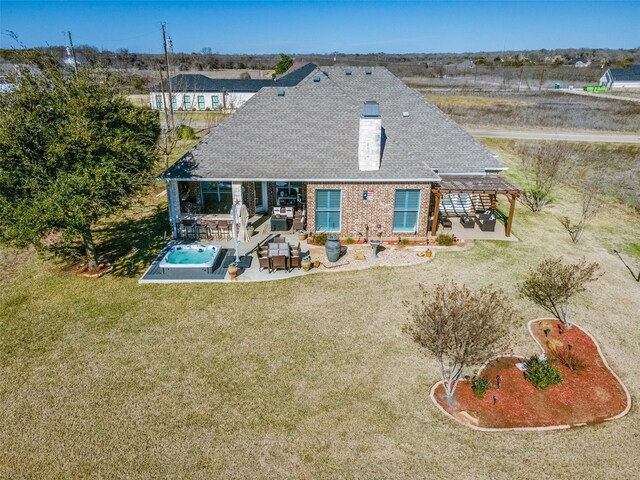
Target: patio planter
x,y
302,235
233,271
306,264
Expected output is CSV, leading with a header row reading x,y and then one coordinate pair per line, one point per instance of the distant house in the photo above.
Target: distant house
x,y
579,62
354,148
618,78
199,92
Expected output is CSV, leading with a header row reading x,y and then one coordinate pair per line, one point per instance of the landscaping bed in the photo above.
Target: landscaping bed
x,y
588,396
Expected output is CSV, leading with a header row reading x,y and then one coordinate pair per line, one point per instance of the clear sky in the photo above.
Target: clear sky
x,y
323,26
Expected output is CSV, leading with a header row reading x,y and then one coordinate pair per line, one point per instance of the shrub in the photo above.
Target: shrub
x,y
185,132
568,357
480,385
320,238
444,239
404,241
542,373
349,240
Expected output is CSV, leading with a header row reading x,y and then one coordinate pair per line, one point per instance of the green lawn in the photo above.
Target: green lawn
x,y
304,378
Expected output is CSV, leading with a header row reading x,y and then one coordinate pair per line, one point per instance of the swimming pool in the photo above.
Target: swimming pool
x,y
190,256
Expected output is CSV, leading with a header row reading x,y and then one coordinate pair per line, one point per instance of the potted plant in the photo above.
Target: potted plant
x,y
233,270
306,263
302,234
428,253
250,230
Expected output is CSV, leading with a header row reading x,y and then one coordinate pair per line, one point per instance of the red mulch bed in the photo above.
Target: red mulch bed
x,y
585,397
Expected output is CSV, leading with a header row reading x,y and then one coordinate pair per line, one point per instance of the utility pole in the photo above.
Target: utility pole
x,y
166,61
541,79
73,54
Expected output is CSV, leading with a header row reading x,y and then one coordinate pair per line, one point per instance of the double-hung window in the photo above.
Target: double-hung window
x,y
215,102
405,211
200,102
159,102
174,102
187,102
328,210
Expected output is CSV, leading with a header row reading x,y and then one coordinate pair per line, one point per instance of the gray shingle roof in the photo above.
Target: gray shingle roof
x,y
201,83
311,133
628,74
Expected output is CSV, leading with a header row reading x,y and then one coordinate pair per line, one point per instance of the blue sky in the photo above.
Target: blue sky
x,y
324,27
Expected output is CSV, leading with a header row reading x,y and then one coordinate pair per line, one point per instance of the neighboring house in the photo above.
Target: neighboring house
x,y
355,147
199,92
617,78
579,62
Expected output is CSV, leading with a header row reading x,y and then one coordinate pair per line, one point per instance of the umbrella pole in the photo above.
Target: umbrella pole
x,y
234,209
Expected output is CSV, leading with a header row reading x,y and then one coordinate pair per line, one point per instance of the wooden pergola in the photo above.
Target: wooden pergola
x,y
489,185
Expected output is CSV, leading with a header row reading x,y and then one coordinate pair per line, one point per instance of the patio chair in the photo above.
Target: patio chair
x,y
298,222
295,261
189,227
289,212
224,230
264,262
279,262
488,224
446,222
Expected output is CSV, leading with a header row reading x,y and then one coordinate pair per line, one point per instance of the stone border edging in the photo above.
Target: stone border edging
x,y
550,427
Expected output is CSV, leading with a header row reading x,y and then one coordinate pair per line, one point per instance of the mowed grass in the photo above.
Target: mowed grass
x,y
304,378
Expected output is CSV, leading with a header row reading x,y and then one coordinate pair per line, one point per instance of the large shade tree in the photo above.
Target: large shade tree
x,y
72,151
460,327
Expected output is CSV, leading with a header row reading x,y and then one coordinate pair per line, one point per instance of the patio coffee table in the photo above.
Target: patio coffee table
x,y
279,224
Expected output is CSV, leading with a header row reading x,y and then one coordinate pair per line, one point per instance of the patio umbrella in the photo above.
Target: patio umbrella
x,y
243,234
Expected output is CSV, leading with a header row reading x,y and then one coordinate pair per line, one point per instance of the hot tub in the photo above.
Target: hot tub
x,y
191,256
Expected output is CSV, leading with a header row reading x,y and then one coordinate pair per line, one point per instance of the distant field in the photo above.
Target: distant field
x,y
617,165
543,110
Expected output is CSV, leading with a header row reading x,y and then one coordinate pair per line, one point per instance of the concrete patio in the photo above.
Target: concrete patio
x,y
355,257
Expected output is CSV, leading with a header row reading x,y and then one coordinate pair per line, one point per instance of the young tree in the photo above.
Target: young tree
x,y
283,64
72,151
459,327
544,167
590,205
552,284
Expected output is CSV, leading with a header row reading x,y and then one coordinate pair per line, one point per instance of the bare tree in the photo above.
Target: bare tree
x,y
544,167
591,203
552,284
459,327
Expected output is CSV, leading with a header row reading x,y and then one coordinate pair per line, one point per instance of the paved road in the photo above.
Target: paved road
x,y
564,136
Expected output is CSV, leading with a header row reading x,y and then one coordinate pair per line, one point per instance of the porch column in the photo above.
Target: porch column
x,y
173,197
512,208
436,210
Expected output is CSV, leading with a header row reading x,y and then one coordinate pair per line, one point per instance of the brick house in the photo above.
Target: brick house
x,y
355,147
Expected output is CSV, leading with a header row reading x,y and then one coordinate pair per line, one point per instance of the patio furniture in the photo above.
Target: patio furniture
x,y
289,212
189,227
224,230
467,222
488,224
298,221
279,240
279,224
264,261
280,262
446,222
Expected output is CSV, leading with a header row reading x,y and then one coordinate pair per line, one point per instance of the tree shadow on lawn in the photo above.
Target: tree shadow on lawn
x,y
131,244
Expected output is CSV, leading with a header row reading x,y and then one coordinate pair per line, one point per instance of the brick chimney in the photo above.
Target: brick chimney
x,y
370,137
